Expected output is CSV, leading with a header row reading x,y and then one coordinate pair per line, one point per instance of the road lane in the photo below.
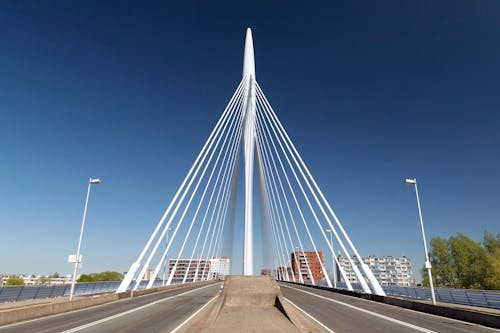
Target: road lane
x,y
342,313
157,312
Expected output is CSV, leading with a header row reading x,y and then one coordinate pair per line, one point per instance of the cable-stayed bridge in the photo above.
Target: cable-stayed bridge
x,y
250,145
293,210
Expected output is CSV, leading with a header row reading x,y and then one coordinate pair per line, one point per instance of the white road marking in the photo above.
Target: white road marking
x,y
403,323
79,328
307,314
194,314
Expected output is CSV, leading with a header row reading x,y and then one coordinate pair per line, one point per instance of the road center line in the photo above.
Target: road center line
x,y
403,323
100,321
307,314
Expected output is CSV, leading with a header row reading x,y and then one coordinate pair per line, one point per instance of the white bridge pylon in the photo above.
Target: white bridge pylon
x,y
201,216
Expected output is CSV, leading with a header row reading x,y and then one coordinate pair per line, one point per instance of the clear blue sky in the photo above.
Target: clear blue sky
x,y
371,92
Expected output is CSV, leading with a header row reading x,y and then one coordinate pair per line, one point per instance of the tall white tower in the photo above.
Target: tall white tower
x,y
247,121
249,146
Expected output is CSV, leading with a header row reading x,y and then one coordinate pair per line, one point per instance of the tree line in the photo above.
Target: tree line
x,y
15,280
99,277
461,262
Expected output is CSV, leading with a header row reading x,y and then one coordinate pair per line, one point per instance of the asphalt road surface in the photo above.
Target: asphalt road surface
x,y
342,313
158,312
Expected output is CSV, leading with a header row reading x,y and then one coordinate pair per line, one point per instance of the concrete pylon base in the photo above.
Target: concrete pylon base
x,y
250,304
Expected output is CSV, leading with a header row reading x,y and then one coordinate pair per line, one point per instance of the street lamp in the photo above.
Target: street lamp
x,y
165,265
334,273
92,181
428,265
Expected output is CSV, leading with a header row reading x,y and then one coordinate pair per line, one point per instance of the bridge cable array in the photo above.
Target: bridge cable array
x,y
293,208
202,212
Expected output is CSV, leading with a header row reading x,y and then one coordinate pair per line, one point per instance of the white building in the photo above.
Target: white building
x,y
389,271
32,280
220,267
63,279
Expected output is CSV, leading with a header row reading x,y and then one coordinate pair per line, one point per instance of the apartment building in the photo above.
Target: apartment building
x,y
389,270
301,260
215,268
193,267
220,267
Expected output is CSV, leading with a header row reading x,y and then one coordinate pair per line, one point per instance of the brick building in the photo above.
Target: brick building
x,y
303,259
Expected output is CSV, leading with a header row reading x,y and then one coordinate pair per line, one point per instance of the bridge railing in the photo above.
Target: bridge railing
x,y
473,297
21,293
482,298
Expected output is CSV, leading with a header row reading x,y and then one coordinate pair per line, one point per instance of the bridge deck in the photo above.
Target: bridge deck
x,y
342,313
157,312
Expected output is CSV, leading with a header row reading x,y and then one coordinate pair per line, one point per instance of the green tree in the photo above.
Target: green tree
x,y
443,266
109,276
492,280
102,276
14,281
85,278
470,260
490,242
460,262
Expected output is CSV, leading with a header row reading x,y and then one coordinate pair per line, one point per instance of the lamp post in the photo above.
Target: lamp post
x,y
428,265
334,273
165,265
92,181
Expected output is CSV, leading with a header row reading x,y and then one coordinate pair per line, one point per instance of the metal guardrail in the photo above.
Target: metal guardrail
x,y
21,293
473,297
482,298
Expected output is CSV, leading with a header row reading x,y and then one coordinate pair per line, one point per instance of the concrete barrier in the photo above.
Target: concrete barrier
x,y
9,316
249,304
453,311
251,291
14,315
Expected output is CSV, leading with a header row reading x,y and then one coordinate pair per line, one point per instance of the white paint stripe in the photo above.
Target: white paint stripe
x,y
79,328
194,314
307,314
403,323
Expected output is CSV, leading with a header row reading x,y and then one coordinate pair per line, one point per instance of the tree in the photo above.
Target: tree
x,y
85,278
103,276
14,281
109,276
444,269
492,246
470,260
492,280
461,262
490,242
